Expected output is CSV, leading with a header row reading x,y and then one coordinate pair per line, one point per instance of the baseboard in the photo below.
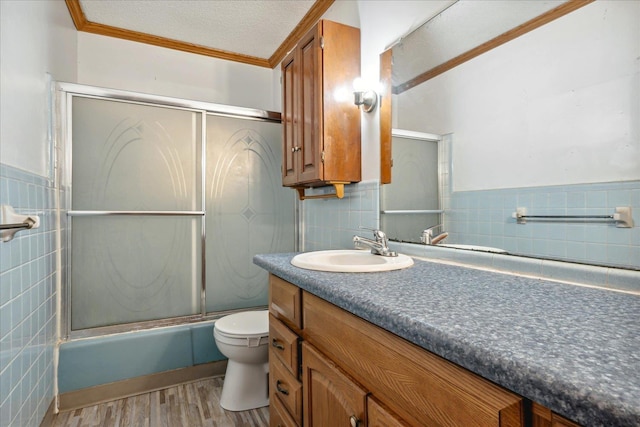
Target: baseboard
x,y
47,420
133,386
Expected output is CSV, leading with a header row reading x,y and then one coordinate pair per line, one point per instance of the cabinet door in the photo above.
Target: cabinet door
x,y
290,118
543,417
340,120
309,96
330,397
380,416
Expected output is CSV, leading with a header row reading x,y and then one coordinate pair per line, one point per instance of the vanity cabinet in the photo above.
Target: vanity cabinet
x,y
544,417
418,386
285,325
329,367
321,124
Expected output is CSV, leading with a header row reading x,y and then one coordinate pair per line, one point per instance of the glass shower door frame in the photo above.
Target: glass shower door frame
x,y
66,93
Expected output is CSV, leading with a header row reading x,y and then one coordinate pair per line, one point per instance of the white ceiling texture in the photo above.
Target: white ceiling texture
x,y
255,28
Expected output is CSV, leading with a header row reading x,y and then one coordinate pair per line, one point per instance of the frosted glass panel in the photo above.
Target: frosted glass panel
x,y
130,157
134,157
134,268
248,210
414,186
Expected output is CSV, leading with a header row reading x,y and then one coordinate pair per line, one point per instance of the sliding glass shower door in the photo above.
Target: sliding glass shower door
x,y
168,206
248,210
136,226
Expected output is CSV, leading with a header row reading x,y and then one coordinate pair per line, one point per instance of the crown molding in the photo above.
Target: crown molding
x,y
313,15
309,20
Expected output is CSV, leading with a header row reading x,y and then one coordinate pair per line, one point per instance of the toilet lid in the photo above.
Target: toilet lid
x,y
247,323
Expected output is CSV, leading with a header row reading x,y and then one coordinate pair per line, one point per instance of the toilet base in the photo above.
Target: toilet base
x,y
245,386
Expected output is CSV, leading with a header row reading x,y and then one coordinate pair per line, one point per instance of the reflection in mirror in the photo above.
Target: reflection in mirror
x,y
550,123
467,29
411,203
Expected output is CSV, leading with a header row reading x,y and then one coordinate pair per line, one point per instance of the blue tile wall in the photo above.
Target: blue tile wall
x,y
27,302
485,218
331,223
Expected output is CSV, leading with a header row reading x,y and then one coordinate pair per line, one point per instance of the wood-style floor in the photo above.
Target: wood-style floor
x,y
187,405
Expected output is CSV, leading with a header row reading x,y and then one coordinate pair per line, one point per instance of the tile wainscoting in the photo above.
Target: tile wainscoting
x,y
27,301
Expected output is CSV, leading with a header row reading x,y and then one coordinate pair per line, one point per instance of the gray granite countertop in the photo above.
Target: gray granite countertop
x,y
573,349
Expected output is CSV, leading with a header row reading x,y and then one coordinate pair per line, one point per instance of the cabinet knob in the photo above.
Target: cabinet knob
x,y
294,149
354,421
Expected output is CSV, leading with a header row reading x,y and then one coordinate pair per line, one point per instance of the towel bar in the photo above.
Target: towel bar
x,y
622,217
12,222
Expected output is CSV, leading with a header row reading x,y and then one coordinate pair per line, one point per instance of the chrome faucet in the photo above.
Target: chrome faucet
x,y
379,246
428,237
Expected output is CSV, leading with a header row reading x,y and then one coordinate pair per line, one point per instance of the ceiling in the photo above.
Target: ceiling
x,y
257,32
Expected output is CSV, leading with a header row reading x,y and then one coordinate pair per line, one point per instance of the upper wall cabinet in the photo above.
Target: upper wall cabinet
x,y
321,124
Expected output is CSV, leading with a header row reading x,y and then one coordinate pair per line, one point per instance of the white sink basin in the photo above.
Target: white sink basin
x,y
350,261
474,248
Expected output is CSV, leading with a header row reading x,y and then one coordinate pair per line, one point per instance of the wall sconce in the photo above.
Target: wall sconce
x,y
367,99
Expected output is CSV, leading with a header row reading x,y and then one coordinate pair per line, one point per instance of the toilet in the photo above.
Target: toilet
x,y
243,338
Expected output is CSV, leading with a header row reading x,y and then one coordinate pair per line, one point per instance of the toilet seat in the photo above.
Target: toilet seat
x,y
247,329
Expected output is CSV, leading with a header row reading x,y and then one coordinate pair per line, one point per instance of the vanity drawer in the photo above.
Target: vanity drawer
x,y
285,302
278,415
283,345
284,387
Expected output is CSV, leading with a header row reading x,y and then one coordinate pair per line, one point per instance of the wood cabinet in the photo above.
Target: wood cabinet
x,y
285,302
321,124
380,416
544,417
330,397
329,367
420,387
285,322
278,416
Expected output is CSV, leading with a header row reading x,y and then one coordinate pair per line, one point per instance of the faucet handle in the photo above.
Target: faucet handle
x,y
433,227
378,234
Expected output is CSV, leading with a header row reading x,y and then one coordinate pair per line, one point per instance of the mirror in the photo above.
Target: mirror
x,y
546,125
405,208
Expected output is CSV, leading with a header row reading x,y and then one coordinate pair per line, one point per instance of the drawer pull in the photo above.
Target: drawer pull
x,y
276,344
354,421
281,389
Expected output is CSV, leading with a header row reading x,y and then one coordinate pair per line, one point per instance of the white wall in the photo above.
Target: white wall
x,y
39,37
36,38
381,23
556,106
122,64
